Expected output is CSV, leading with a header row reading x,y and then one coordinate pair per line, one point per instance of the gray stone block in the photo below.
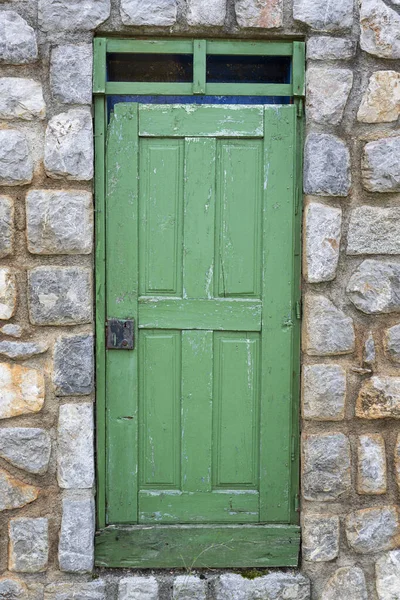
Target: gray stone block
x,y
327,92
26,448
75,451
346,583
387,570
371,464
29,545
282,586
374,287
15,493
324,392
6,226
381,166
22,350
188,587
330,48
8,294
76,546
373,530
149,12
374,230
12,330
21,99
326,166
276,586
16,163
93,590
74,365
18,44
326,466
328,331
138,588
59,222
60,295
323,16
206,12
265,15
13,589
392,342
379,398
71,15
71,73
380,29
323,225
69,146
320,538
369,352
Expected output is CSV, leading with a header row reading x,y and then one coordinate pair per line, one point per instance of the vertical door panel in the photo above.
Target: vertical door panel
x,y
161,194
238,243
236,411
159,410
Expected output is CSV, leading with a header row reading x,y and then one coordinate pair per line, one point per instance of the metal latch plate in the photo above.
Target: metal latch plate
x,y
120,334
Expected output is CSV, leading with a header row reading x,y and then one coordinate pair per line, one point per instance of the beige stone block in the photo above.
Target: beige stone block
x,y
379,398
397,460
21,390
381,101
15,493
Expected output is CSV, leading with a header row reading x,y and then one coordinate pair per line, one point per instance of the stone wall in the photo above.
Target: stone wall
x,y
351,338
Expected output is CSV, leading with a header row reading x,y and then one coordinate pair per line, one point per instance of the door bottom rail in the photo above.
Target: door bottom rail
x,y
200,546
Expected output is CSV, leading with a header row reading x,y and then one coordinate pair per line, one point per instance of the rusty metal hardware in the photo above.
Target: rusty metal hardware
x,y
120,334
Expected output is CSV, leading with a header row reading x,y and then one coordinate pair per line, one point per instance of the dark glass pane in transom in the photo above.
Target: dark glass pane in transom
x,y
248,69
176,68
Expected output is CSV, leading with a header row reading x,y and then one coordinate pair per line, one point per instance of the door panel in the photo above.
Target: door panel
x,y
238,243
159,409
160,209
204,420
236,404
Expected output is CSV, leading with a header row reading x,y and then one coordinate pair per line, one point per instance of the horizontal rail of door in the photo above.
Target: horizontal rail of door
x,y
162,546
217,315
158,120
198,507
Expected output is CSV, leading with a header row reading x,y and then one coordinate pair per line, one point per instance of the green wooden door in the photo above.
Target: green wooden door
x,y
200,223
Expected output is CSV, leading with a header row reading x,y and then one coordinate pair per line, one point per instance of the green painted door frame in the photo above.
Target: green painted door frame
x,y
273,539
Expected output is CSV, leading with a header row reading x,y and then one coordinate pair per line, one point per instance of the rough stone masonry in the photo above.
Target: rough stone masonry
x,y
351,338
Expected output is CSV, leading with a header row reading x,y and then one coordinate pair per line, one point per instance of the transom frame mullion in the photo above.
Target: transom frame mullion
x,y
199,66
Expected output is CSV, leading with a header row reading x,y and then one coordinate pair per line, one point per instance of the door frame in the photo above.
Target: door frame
x,y
113,543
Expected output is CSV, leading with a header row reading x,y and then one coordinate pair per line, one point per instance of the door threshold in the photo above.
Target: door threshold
x,y
197,546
